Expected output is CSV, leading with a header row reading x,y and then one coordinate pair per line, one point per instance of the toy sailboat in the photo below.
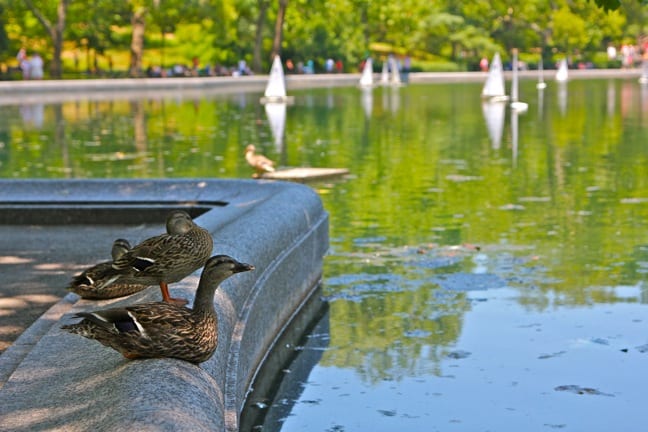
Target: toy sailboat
x,y
493,90
516,105
276,88
541,83
366,80
562,73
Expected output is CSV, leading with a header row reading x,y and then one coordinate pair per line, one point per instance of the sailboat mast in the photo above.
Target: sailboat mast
x,y
514,84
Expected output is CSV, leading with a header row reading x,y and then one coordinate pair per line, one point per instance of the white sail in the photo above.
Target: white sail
x,y
366,80
276,113
384,76
494,86
276,89
395,72
562,73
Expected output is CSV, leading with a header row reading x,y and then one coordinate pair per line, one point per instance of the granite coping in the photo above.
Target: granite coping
x,y
53,380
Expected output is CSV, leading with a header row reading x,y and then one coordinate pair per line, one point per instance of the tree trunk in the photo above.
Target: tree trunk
x,y
54,31
137,42
278,37
258,40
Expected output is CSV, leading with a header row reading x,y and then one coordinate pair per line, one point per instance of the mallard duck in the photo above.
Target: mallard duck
x,y
164,259
91,284
257,161
152,330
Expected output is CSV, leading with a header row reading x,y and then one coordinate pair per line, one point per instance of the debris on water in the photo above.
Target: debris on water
x,y
600,341
581,390
643,348
418,333
261,405
387,413
459,354
547,356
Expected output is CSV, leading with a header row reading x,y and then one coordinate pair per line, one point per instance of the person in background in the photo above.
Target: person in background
x,y
23,62
36,67
483,64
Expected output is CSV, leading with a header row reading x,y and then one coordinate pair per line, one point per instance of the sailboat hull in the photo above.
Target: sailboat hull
x,y
278,99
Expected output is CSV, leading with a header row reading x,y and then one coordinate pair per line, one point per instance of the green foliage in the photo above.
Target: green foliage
x,y
224,31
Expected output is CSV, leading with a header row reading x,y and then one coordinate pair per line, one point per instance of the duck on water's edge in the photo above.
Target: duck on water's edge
x,y
163,259
162,329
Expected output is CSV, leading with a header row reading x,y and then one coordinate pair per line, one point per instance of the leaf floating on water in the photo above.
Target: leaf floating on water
x,y
548,356
600,341
582,390
459,354
643,348
417,333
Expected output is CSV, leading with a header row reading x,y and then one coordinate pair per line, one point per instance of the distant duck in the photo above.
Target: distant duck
x,y
257,161
154,330
164,259
91,284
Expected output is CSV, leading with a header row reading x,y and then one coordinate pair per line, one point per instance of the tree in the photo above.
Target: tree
x,y
262,13
54,30
278,35
138,22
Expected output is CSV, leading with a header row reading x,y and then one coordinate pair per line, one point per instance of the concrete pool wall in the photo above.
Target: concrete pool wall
x,y
54,380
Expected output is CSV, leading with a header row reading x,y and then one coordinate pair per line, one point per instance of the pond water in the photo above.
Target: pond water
x,y
487,270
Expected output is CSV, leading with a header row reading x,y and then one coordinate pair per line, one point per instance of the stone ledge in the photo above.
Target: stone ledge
x,y
65,382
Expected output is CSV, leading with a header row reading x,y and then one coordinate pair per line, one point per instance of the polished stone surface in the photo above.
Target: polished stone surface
x,y
52,379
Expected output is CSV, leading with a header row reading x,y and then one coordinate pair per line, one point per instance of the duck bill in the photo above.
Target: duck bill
x,y
243,267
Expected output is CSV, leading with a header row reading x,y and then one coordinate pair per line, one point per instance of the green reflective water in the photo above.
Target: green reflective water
x,y
475,281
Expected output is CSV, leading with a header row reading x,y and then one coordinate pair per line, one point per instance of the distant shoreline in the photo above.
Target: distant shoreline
x,y
72,89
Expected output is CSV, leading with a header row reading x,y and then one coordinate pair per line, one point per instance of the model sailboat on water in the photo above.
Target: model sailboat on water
x,y
493,90
275,91
562,73
516,105
366,79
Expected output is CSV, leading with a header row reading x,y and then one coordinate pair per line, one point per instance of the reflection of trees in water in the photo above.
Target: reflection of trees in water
x,y
398,312
388,320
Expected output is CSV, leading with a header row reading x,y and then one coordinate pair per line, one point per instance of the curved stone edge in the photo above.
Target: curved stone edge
x,y
68,382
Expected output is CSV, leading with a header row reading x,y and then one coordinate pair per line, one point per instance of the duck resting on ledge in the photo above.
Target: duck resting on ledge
x,y
153,330
87,283
259,162
162,259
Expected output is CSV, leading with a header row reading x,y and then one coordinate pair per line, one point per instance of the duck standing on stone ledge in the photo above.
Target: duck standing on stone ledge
x,y
153,330
257,161
164,259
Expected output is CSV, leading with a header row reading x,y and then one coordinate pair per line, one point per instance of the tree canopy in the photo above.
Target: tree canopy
x,y
439,34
